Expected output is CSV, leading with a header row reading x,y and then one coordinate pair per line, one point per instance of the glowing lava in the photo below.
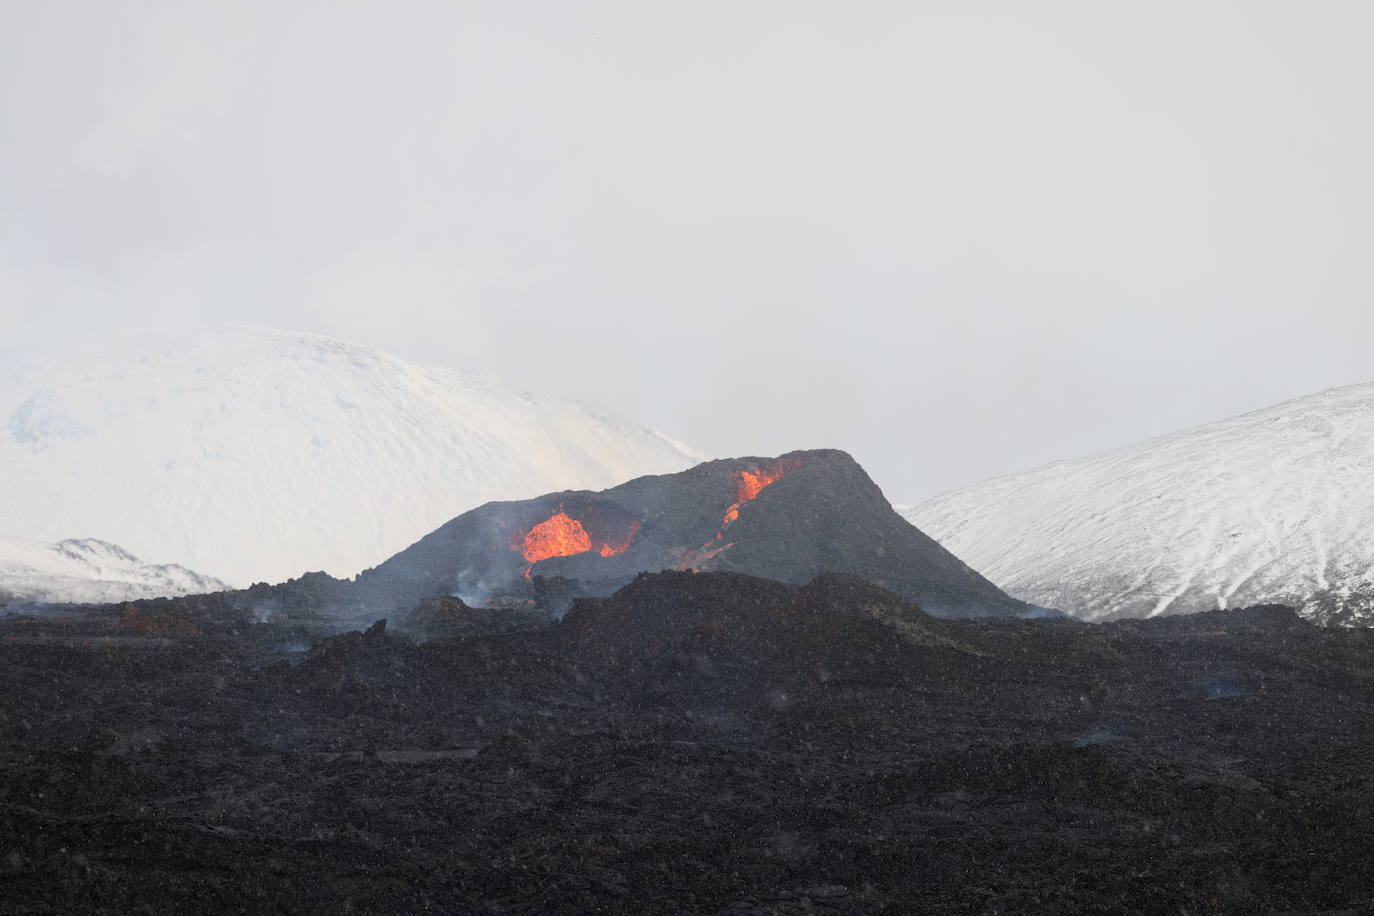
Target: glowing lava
x,y
751,484
616,548
560,536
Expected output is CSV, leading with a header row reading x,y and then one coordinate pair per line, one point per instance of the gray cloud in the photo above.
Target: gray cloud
x,y
956,239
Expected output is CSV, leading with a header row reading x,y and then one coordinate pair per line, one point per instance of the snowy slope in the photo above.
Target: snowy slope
x,y
1272,506
89,571
262,454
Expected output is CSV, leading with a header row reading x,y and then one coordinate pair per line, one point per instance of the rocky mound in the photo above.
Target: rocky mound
x,y
836,617
727,643
351,660
790,518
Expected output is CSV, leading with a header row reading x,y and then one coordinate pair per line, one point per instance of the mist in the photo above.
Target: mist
x,y
956,240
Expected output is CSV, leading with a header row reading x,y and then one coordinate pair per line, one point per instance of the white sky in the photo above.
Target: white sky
x,y
957,239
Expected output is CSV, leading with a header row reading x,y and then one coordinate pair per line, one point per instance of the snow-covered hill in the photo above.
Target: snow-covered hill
x,y
1272,506
89,570
262,454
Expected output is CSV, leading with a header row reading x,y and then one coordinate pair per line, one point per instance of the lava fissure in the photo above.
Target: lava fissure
x,y
751,484
615,548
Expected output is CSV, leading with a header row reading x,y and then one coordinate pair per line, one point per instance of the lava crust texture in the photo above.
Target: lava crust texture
x,y
694,743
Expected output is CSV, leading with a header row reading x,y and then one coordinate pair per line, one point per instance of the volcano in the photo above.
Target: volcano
x,y
789,518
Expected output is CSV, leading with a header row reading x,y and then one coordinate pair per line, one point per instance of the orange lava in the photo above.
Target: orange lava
x,y
751,484
713,552
560,536
616,548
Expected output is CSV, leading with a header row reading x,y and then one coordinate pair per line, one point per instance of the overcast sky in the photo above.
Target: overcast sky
x,y
957,239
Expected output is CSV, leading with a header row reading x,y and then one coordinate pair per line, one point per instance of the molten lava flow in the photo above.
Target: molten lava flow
x,y
559,536
751,484
703,554
616,548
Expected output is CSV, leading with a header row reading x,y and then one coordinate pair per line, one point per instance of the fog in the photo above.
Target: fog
x,y
955,239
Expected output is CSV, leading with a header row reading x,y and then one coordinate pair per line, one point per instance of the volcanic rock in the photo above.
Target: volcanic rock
x,y
696,743
446,617
699,626
729,648
156,620
368,658
789,518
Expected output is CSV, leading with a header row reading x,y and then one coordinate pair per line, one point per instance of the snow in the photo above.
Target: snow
x,y
1273,506
89,570
260,454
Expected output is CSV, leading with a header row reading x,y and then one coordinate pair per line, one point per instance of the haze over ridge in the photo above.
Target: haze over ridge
x,y
1020,231
251,454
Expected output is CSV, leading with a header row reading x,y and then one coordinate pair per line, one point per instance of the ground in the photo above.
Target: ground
x,y
694,744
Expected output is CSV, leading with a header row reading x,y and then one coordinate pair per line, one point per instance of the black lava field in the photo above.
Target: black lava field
x,y
705,742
